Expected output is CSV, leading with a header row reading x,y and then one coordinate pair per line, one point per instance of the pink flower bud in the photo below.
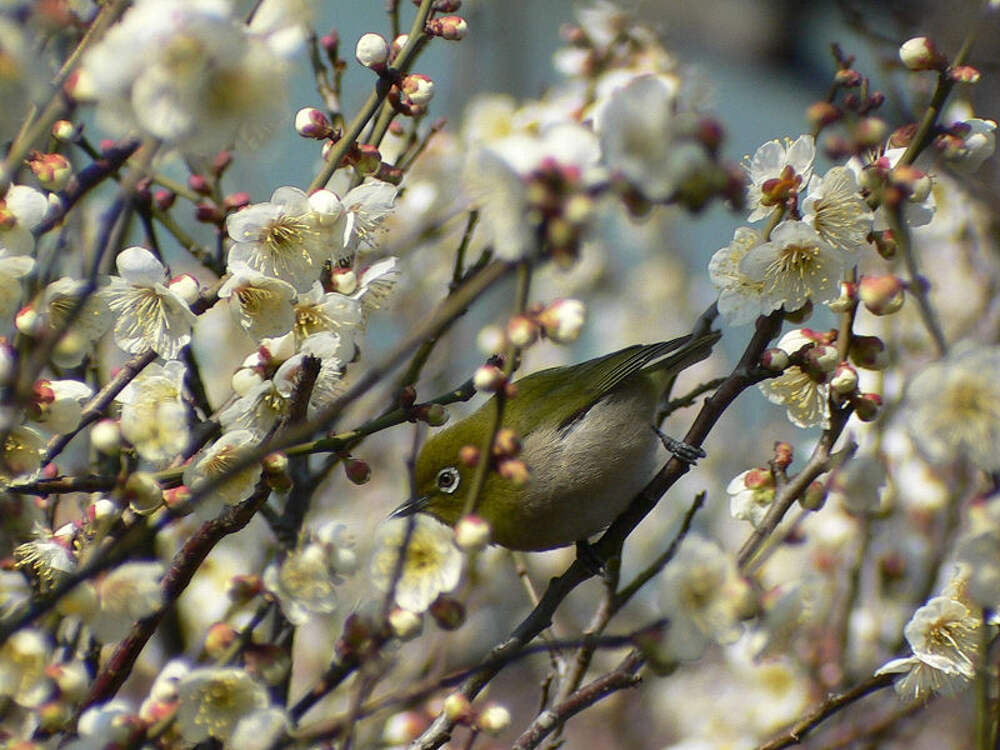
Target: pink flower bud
x,y
343,280
65,131
774,359
920,53
488,378
758,479
824,358
881,295
52,170
869,352
867,406
176,500
372,51
563,320
515,471
845,379
472,533
784,454
199,184
312,123
452,28
506,443
448,613
418,89
357,471
164,199
185,286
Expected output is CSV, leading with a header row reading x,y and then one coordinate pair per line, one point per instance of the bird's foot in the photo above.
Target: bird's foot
x,y
684,452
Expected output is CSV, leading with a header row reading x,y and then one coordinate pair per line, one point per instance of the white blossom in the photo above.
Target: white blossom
x,y
154,417
432,565
216,461
24,657
212,701
835,209
126,594
260,304
741,299
805,399
790,162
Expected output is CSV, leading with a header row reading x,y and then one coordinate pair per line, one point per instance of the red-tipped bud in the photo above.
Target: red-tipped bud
x,y
814,497
472,533
784,454
920,53
164,199
963,74
759,478
357,471
882,295
867,406
844,380
488,378
418,89
236,201
199,184
823,358
209,213
185,286
515,471
847,78
52,170
468,455
452,28
65,131
448,613
563,320
774,359
312,123
177,500
869,352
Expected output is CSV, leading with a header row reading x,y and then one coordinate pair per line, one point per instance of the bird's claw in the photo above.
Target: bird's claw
x,y
684,452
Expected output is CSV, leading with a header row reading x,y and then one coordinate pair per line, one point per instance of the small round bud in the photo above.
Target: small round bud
x,y
452,28
178,500
52,170
372,51
491,340
397,44
244,588
870,132
368,159
522,331
236,201
456,707
448,613
418,89
867,406
506,443
344,280
494,719
29,322
164,199
472,533
814,497
219,637
515,471
488,378
312,123
65,131
881,295
774,359
920,53
869,352
468,455
102,509
784,454
405,625
823,357
199,184
185,286
434,414
106,437
357,471
208,213
823,113
275,463
964,74
845,379
847,78
403,728
563,320
759,478
143,493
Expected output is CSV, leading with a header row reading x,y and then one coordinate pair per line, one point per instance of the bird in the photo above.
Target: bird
x,y
588,437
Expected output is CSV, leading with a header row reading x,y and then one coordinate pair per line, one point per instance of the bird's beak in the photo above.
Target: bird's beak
x,y
411,506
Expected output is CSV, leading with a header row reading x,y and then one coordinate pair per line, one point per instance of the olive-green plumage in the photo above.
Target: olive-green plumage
x,y
586,438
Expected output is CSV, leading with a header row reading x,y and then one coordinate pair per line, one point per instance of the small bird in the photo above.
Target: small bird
x,y
587,436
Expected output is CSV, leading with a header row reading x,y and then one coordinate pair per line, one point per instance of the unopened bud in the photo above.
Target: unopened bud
x,y
506,443
847,78
405,625
448,613
52,170
275,464
344,280
494,719
199,184
759,478
920,53
312,123
869,352
814,497
845,379
515,471
397,44
522,331
418,89
164,199
867,406
563,320
372,51
219,637
368,159
870,132
823,113
106,437
29,322
433,414
881,295
178,500
468,455
964,74
491,340
357,471
185,286
236,201
244,588
472,533
488,378
452,28
456,707
143,493
65,131
784,454
774,359
208,213
823,357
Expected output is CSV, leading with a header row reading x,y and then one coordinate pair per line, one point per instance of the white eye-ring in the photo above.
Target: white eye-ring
x,y
448,479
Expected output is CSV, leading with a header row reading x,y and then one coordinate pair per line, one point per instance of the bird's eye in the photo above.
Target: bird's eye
x,y
448,479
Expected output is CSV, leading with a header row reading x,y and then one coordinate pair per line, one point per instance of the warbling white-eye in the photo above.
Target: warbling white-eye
x,y
587,437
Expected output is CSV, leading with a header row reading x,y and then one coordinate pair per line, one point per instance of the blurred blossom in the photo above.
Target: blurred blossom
x,y
22,77
953,407
776,171
24,658
126,594
432,565
213,700
805,399
259,730
148,314
918,210
62,413
22,453
50,311
216,461
704,596
109,724
154,417
304,583
750,495
376,284
189,73
944,637
21,210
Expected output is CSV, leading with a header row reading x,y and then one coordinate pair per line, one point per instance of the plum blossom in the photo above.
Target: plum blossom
x,y
260,304
741,299
154,417
148,313
776,171
835,208
126,594
213,700
805,399
432,565
216,461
